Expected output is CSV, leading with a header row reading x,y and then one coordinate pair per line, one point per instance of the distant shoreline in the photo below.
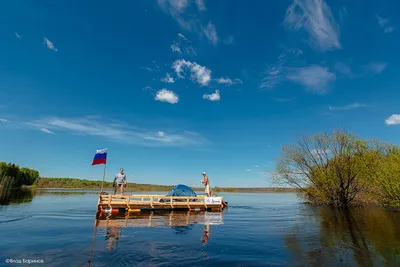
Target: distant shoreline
x,y
75,183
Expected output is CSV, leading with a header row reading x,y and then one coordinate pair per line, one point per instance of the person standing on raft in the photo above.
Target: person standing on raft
x,y
206,183
120,181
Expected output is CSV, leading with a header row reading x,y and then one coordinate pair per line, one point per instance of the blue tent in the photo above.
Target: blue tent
x,y
181,191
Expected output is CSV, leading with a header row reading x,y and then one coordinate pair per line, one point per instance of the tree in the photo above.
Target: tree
x,y
326,168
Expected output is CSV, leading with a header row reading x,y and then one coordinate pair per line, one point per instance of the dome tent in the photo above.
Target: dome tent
x,y
181,191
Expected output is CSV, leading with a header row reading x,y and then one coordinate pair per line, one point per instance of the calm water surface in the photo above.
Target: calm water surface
x,y
272,229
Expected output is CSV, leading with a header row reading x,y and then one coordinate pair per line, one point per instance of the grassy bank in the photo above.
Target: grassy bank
x,y
90,184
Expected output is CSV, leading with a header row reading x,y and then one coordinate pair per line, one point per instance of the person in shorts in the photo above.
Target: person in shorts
x,y
120,181
206,183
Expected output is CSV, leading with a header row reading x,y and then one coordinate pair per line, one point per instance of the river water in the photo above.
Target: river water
x,y
58,228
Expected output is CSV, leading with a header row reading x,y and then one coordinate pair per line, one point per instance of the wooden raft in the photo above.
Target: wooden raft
x,y
131,203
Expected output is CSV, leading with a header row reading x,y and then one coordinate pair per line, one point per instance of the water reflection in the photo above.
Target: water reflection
x,y
18,196
8,196
355,237
179,221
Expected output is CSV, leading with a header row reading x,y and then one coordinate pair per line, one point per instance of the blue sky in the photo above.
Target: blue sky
x,y
176,87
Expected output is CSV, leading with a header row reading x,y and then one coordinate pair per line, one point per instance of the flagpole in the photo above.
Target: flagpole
x,y
104,175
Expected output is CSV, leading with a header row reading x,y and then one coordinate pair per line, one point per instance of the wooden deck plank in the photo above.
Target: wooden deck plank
x,y
154,202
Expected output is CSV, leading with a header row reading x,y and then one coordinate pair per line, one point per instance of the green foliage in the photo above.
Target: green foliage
x,y
339,169
11,175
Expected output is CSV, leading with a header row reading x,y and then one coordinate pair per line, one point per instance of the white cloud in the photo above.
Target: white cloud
x,y
49,44
45,130
393,120
199,73
315,78
383,23
257,166
3,120
347,107
316,18
211,33
375,68
213,97
121,132
168,79
165,95
175,48
227,81
248,170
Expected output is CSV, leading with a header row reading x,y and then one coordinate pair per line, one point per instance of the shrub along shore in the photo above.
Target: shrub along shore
x,y
12,176
90,184
337,169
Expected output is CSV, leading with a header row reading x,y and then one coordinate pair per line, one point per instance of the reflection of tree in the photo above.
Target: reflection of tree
x,y
360,237
13,196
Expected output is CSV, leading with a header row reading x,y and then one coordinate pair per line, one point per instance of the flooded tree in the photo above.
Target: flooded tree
x,y
326,168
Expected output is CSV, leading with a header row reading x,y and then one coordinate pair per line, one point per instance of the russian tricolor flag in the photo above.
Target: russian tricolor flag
x,y
100,157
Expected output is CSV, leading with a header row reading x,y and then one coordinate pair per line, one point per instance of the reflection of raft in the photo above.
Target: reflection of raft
x,y
180,197
159,218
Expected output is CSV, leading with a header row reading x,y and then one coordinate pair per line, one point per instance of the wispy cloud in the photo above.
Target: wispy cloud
x,y
200,74
282,100
315,78
188,19
228,81
176,48
180,35
248,170
165,95
347,107
200,5
277,72
155,68
45,130
168,79
375,68
228,40
347,70
182,45
393,120
147,88
257,166
3,120
343,68
315,17
213,97
120,132
18,35
342,14
384,24
49,44
211,33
